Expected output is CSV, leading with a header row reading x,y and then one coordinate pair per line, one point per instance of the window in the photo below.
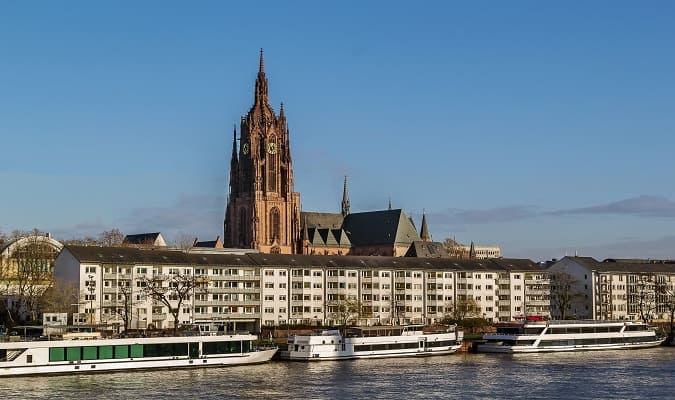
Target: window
x,y
269,285
275,221
90,270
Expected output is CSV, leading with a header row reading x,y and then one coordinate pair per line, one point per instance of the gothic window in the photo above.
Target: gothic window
x,y
272,166
275,225
284,180
242,226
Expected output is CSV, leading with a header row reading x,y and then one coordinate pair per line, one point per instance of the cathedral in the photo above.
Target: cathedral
x,y
263,210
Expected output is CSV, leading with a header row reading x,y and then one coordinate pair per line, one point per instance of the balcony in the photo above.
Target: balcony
x,y
119,277
158,317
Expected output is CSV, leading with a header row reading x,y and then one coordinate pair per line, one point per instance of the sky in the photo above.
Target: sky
x,y
547,129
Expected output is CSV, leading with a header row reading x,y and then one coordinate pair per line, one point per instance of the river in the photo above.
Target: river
x,y
625,374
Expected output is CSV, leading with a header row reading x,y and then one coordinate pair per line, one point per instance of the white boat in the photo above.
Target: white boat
x,y
373,342
550,336
102,355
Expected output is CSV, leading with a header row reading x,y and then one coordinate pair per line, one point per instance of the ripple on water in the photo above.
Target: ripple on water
x,y
635,374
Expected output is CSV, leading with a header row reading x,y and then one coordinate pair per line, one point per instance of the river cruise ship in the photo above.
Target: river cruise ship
x,y
550,336
84,354
373,342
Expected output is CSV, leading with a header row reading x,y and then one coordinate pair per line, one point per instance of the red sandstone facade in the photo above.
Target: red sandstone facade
x,y
263,211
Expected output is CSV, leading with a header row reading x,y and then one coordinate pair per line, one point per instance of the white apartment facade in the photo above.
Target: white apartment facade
x,y
248,291
618,289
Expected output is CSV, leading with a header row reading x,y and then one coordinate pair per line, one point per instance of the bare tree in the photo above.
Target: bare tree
x,y
462,309
124,306
563,293
667,294
29,276
85,241
344,309
171,290
3,238
183,241
642,293
60,298
113,237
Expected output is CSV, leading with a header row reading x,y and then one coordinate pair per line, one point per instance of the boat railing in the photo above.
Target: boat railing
x,y
579,322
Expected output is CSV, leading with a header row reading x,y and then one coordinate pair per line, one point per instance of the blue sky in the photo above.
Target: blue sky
x,y
543,128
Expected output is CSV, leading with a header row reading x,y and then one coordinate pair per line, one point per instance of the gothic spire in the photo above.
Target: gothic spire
x,y
424,232
389,202
345,199
472,250
261,83
234,146
261,68
305,230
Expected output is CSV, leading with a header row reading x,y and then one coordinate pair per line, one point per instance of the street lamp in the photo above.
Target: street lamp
x,y
91,290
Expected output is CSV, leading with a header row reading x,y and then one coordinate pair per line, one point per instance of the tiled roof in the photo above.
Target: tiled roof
x,y
625,266
374,228
141,238
427,249
321,220
139,256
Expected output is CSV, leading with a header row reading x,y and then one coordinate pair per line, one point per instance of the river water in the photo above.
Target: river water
x,y
625,374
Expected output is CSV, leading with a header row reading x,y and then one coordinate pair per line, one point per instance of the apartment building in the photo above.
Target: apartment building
x,y
631,289
247,291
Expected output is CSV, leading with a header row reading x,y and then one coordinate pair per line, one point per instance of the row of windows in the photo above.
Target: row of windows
x,y
77,353
389,346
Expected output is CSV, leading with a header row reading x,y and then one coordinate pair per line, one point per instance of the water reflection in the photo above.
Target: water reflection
x,y
610,374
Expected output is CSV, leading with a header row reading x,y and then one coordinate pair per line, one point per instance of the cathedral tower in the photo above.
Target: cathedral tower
x,y
263,211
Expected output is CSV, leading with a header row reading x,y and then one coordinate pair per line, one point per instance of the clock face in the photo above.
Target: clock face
x,y
272,148
244,148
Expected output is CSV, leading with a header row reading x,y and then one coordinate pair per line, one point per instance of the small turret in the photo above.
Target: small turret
x,y
345,199
424,232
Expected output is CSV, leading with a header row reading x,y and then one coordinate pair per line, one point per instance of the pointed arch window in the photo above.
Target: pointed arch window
x,y
272,169
242,226
275,225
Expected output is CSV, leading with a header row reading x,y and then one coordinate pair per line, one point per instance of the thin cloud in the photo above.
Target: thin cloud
x,y
81,230
642,206
198,215
455,216
658,248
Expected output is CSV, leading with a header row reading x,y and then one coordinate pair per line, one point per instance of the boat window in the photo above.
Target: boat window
x,y
194,350
73,353
121,351
137,350
89,353
221,347
636,328
105,352
533,331
57,354
508,330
